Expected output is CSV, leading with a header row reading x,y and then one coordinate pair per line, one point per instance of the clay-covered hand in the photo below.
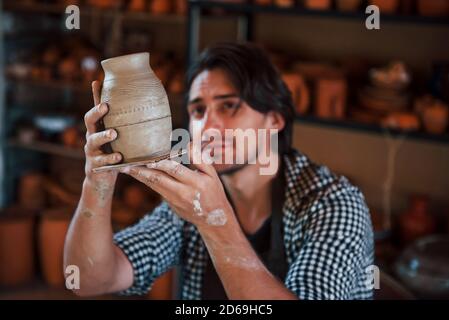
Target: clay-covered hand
x,y
95,157
196,196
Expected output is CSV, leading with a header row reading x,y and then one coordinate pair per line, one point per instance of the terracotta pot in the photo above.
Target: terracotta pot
x,y
433,8
31,192
52,231
162,288
331,98
318,4
386,6
417,221
16,247
299,90
138,108
284,3
435,117
160,7
348,5
180,7
137,5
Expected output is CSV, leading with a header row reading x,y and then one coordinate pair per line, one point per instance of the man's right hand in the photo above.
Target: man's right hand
x,y
95,157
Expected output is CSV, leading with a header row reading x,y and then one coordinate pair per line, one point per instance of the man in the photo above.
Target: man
x,y
298,233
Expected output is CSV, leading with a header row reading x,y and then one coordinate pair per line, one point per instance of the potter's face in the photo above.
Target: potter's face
x,y
214,103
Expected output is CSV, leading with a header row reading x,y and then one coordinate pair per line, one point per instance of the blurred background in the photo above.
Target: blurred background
x,y
371,104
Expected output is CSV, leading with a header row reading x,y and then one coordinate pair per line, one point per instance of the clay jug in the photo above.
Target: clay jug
x,y
138,108
417,221
52,231
16,247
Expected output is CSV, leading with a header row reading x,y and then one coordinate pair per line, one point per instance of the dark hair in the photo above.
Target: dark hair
x,y
258,82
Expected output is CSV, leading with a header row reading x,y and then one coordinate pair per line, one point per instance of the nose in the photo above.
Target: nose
x,y
213,120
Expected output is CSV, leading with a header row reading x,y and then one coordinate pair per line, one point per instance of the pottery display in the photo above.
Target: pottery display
x,y
16,247
138,108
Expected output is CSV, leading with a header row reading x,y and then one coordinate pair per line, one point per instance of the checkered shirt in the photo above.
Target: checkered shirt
x,y
328,239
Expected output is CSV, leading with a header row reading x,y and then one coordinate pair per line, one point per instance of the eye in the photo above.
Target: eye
x,y
197,111
231,106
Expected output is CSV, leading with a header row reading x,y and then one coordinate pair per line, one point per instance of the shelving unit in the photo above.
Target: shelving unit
x,y
246,13
18,156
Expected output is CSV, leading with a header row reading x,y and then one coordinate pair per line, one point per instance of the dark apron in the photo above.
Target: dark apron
x,y
268,242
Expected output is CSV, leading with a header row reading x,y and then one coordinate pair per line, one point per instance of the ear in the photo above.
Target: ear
x,y
275,120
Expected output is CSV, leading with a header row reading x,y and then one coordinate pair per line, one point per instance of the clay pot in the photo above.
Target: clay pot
x,y
71,137
417,221
52,232
284,3
435,117
299,90
348,5
138,108
433,8
386,6
31,193
160,7
162,288
318,4
331,98
405,121
137,5
180,7
16,247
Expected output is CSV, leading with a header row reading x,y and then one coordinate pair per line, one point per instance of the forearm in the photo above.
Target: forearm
x,y
242,273
89,242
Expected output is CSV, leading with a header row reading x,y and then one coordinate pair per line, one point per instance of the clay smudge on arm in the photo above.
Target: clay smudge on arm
x,y
216,217
87,213
197,205
103,189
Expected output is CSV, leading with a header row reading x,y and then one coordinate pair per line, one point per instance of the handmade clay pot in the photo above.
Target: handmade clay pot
x,y
138,108
435,117
417,221
52,231
16,247
31,193
318,4
433,8
386,6
348,5
299,91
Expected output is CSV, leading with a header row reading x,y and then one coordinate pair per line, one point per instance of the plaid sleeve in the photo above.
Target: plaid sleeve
x,y
152,246
335,247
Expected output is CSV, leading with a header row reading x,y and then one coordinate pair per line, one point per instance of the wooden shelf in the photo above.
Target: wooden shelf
x,y
301,11
372,129
49,148
58,9
51,84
